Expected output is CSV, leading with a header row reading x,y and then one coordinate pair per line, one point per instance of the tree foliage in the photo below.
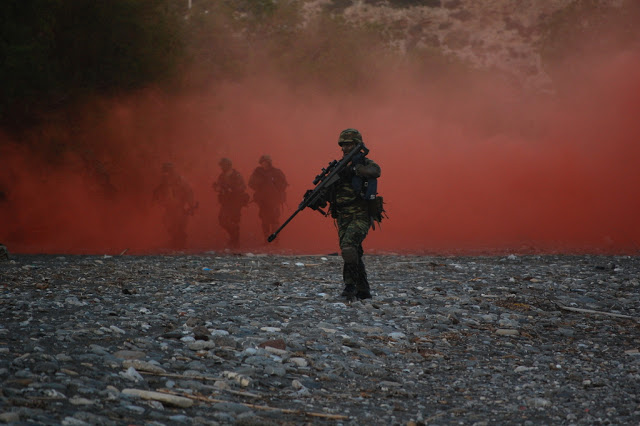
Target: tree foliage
x,y
54,52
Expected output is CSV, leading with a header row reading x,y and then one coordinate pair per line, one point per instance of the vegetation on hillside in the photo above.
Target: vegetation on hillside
x,y
56,54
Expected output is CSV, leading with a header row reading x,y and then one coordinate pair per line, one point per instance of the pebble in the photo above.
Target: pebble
x,y
209,339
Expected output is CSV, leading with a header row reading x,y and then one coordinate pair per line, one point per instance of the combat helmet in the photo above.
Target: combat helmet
x,y
349,135
266,158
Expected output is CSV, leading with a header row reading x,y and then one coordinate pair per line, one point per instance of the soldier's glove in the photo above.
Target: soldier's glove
x,y
320,202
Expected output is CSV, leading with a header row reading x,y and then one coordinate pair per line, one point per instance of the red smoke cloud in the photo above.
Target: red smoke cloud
x,y
480,169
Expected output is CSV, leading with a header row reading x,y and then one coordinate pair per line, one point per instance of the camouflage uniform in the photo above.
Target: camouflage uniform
x,y
269,184
233,197
353,219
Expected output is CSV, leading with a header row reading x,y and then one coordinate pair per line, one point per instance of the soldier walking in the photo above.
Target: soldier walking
x,y
233,197
269,185
350,205
176,197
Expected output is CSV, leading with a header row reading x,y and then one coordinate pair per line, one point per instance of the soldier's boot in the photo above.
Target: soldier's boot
x,y
363,291
349,291
266,231
362,285
349,273
234,237
363,294
4,253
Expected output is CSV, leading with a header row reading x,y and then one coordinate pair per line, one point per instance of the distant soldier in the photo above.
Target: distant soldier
x,y
269,185
4,211
4,205
9,224
232,196
176,196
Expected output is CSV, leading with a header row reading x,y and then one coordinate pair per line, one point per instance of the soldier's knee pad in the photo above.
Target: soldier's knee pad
x,y
350,255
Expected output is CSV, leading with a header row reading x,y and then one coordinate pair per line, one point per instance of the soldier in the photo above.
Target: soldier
x,y
233,197
269,185
176,196
10,227
4,253
351,209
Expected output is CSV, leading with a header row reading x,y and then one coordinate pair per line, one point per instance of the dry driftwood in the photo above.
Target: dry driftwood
x,y
259,407
171,399
179,376
591,311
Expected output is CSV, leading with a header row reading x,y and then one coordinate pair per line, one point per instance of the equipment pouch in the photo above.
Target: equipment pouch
x,y
376,209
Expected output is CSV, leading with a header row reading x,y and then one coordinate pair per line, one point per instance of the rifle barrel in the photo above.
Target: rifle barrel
x,y
277,231
326,176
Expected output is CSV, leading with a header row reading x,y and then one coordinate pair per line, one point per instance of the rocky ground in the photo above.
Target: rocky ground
x,y
253,339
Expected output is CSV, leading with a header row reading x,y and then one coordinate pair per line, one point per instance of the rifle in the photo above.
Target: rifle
x,y
314,198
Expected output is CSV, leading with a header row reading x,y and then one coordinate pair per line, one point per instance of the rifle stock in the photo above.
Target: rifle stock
x,y
323,181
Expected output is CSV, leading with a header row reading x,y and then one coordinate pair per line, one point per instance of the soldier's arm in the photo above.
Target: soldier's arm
x,y
217,184
238,183
283,179
254,180
368,170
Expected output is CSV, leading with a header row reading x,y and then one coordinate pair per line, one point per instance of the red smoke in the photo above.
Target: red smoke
x,y
480,169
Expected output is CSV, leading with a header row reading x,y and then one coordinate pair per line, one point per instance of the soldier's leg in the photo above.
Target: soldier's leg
x,y
274,219
234,229
179,231
269,218
178,237
352,232
262,213
349,271
225,219
362,284
166,222
234,236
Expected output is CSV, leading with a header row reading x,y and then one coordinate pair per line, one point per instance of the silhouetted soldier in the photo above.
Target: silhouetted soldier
x,y
233,197
7,219
269,185
176,196
4,253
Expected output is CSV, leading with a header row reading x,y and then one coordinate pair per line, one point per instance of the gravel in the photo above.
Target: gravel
x,y
265,339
